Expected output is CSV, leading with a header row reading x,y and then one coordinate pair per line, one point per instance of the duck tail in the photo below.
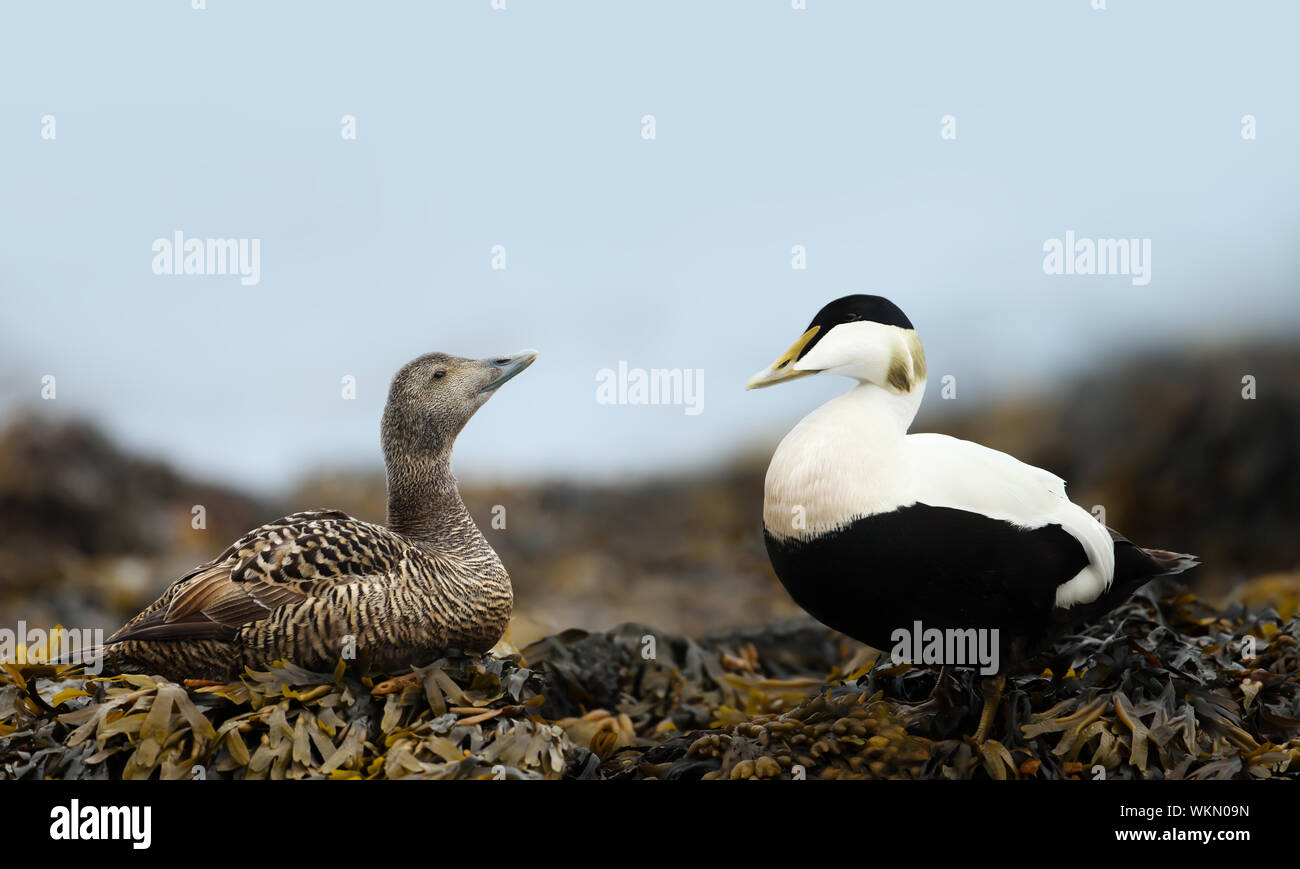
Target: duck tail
x,y
1171,563
1140,562
1135,566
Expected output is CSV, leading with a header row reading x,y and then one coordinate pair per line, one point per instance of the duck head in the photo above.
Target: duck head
x,y
864,337
433,396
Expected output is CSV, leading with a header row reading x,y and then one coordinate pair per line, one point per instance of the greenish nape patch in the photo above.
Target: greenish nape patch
x,y
907,367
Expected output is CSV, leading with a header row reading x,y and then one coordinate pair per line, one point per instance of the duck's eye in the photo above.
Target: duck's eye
x,y
439,374
502,362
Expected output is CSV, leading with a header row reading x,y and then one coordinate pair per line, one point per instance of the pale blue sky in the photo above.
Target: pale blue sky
x,y
522,127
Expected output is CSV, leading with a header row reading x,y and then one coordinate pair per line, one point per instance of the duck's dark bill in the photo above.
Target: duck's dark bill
x,y
509,365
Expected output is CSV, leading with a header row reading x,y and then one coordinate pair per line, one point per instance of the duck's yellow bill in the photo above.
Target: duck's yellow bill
x,y
783,368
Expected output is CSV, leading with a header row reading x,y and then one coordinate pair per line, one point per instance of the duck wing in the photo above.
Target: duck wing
x,y
949,472
283,562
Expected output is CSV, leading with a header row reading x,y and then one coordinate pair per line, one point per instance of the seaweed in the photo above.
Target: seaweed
x,y
1159,688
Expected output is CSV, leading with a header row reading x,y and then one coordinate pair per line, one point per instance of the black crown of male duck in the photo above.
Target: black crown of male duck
x,y
872,529
305,587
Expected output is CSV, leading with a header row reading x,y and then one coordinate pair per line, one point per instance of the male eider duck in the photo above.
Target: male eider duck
x,y
305,587
872,529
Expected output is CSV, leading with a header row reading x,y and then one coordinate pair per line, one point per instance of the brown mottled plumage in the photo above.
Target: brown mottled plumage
x,y
311,585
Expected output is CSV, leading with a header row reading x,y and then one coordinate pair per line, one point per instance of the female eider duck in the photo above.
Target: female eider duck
x,y
872,529
305,587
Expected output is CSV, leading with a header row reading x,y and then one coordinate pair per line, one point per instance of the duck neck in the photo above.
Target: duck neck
x,y
423,501
874,408
839,462
902,407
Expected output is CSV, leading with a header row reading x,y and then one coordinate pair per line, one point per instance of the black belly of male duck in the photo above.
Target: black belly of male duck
x,y
948,569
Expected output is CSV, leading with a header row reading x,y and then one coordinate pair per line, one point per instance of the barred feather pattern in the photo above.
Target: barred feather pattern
x,y
315,586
